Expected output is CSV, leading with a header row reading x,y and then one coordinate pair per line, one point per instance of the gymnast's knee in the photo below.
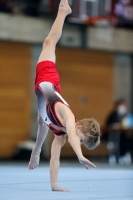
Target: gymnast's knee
x,y
40,121
48,42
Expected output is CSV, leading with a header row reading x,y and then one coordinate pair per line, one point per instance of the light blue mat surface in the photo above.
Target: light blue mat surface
x,y
18,183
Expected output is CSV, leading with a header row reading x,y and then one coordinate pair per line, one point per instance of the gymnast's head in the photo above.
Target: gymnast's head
x,y
88,131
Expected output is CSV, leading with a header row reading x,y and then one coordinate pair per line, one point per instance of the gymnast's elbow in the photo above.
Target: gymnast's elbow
x,y
70,138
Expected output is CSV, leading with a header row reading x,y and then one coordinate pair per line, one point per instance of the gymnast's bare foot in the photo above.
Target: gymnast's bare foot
x,y
65,7
58,189
34,159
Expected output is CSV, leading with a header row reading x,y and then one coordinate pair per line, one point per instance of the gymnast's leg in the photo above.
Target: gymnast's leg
x,y
49,45
41,135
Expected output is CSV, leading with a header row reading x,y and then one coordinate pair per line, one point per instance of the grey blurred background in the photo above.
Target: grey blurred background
x,y
95,63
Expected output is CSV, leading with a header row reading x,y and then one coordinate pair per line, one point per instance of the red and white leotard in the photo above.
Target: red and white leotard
x,y
47,88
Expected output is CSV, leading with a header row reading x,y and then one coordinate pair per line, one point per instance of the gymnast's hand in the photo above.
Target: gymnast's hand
x,y
86,163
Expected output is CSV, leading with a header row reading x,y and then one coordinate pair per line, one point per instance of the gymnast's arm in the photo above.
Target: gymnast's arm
x,y
57,144
75,142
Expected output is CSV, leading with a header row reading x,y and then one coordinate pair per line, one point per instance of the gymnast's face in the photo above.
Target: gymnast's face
x,y
83,138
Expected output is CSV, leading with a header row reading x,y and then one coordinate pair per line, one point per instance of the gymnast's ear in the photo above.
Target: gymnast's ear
x,y
79,126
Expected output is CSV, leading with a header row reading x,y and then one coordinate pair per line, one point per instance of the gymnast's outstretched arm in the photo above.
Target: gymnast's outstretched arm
x,y
75,141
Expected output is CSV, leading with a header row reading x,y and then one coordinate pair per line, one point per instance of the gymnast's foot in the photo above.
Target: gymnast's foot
x,y
64,6
58,189
34,159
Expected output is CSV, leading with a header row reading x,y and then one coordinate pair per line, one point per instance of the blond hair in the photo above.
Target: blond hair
x,y
91,128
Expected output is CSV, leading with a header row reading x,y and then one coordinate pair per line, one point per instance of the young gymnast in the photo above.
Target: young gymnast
x,y
54,112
